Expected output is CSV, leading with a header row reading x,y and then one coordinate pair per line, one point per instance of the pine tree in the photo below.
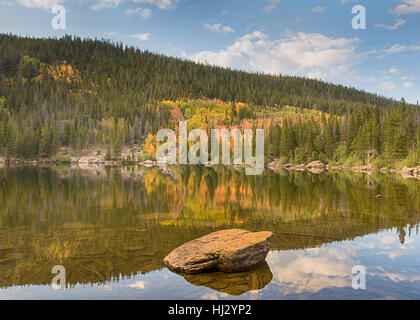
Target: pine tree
x,y
117,146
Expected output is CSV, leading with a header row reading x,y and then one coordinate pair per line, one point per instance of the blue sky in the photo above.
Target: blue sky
x,y
311,38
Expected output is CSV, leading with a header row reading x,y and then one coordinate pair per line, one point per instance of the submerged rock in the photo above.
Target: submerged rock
x,y
232,250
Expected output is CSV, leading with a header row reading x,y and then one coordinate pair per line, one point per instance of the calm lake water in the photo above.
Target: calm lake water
x,y
111,229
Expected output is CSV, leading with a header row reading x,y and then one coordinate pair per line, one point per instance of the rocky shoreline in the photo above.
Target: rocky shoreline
x,y
98,161
315,167
319,167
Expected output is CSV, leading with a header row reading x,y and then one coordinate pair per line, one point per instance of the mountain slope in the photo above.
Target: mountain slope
x,y
79,94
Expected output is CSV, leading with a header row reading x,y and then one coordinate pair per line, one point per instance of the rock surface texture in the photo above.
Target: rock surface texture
x,y
92,160
232,250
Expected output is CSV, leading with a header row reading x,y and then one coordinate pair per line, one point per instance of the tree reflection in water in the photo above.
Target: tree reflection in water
x,y
107,224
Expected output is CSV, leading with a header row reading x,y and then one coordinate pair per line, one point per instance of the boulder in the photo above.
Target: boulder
x,y
83,160
148,164
111,163
299,167
232,250
92,160
316,165
407,170
274,165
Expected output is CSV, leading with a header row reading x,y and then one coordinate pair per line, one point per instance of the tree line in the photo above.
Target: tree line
x,y
83,93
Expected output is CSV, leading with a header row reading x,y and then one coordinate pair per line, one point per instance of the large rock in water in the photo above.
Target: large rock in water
x,y
231,250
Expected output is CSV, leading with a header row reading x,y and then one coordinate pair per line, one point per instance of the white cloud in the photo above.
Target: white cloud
x,y
210,296
141,36
161,4
313,55
398,23
389,239
393,70
142,13
394,49
408,6
138,285
105,4
370,79
408,85
217,27
100,4
388,85
271,6
405,78
319,9
45,4
310,272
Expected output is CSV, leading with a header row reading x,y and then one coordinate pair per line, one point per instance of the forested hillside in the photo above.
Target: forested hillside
x,y
82,94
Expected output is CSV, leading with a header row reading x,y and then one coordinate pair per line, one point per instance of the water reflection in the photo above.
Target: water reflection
x,y
108,225
325,272
233,284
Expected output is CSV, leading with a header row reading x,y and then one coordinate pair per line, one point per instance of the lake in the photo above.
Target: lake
x,y
111,228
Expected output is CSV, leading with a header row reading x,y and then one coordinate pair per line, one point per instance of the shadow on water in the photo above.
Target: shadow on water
x,y
107,224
